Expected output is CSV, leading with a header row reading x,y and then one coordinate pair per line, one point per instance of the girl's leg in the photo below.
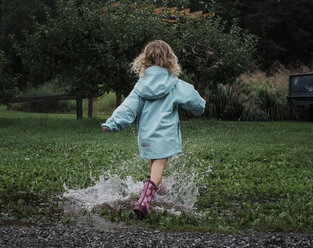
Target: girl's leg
x,y
157,168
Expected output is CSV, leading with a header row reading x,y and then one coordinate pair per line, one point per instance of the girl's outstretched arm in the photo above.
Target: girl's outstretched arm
x,y
189,99
124,115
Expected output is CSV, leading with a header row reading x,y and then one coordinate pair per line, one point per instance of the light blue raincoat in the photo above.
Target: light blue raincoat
x,y
154,101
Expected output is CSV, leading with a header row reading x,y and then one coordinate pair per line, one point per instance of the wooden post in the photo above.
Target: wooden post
x,y
118,99
79,108
90,108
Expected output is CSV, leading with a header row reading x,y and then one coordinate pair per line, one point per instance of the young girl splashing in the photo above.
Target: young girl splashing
x,y
154,101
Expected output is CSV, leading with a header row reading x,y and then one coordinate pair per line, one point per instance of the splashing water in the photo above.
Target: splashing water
x,y
116,193
109,192
176,196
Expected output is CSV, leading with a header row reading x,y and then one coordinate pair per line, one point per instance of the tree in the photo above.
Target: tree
x,y
17,17
211,55
285,27
89,50
8,84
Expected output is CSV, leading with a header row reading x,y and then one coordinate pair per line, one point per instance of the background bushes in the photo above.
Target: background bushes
x,y
46,106
80,48
8,83
255,99
104,104
84,47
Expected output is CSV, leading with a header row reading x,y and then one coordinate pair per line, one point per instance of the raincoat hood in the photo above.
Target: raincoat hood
x,y
156,82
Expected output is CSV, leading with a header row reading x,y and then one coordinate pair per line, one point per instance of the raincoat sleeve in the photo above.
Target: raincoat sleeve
x,y
188,98
125,114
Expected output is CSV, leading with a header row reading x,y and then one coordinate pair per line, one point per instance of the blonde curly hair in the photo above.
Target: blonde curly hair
x,y
159,53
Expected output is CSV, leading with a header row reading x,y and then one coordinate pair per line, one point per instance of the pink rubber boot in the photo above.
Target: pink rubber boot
x,y
142,207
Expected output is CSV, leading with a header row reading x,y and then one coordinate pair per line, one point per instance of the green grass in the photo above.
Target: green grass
x,y
251,175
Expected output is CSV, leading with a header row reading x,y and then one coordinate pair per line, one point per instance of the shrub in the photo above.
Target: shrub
x,y
105,103
253,100
87,47
8,84
211,55
279,77
264,101
46,106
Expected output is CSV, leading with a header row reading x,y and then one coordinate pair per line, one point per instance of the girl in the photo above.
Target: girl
x,y
154,101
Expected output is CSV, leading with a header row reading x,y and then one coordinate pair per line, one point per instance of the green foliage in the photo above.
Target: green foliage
x,y
210,55
251,175
87,48
106,103
90,50
284,27
16,18
52,51
8,84
45,106
255,100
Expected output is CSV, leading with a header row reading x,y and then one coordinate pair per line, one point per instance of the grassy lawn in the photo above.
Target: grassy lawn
x,y
250,175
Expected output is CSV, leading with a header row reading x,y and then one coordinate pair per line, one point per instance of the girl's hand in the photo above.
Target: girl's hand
x,y
106,129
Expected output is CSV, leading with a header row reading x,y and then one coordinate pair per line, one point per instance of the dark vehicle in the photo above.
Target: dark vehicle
x,y
301,91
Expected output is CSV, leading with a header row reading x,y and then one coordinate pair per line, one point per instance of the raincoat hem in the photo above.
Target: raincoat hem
x,y
159,155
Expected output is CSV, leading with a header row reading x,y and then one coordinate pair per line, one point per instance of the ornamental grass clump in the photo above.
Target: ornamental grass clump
x,y
252,100
264,101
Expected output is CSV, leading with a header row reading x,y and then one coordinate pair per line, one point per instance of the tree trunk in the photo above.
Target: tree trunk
x,y
90,108
79,108
118,99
